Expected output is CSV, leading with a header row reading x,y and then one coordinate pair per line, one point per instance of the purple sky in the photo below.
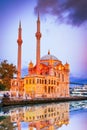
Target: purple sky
x,y
63,28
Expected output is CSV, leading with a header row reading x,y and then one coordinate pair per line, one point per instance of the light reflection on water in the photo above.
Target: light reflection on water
x,y
61,116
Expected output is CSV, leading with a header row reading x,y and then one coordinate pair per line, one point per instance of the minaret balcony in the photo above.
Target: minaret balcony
x,y
19,41
38,35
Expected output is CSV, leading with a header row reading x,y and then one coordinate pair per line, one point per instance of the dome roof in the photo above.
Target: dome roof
x,y
48,57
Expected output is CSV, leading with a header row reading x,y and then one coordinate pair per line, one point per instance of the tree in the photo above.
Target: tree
x,y
6,123
2,87
7,72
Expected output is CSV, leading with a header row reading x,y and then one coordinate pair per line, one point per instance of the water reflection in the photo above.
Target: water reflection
x,y
75,106
45,117
40,117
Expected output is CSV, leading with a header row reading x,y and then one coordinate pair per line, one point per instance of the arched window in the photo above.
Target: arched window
x,y
45,81
49,81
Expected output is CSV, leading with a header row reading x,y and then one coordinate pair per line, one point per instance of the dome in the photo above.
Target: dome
x,y
48,57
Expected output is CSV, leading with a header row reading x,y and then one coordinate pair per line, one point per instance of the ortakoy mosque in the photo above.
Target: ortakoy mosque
x,y
48,78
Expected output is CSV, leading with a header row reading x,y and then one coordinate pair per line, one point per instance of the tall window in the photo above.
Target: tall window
x,y
33,81
30,81
37,80
45,81
49,81
40,81
26,81
54,82
48,89
63,77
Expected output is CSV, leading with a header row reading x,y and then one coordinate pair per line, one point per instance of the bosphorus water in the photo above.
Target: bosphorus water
x,y
52,116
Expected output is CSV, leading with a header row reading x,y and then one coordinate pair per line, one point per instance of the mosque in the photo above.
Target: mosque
x,y
48,78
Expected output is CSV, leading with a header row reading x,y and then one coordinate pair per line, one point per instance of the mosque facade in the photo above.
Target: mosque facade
x,y
48,78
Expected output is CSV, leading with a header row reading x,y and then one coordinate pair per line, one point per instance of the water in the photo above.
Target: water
x,y
54,116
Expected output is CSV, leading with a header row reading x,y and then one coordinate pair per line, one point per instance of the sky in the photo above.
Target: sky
x,y
63,28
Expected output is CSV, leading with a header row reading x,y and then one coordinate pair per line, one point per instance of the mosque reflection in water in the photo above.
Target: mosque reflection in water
x,y
46,116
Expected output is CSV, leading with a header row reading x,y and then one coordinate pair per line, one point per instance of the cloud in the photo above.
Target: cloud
x,y
70,11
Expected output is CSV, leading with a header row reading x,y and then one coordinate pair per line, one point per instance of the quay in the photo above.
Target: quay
x,y
11,102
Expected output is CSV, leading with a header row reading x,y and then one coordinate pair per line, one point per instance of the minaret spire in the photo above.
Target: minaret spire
x,y
38,36
38,16
20,23
19,41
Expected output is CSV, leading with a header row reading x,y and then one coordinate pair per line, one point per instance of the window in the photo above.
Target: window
x,y
48,109
48,89
45,110
63,77
37,80
54,82
26,81
45,115
40,81
49,81
30,81
33,81
45,81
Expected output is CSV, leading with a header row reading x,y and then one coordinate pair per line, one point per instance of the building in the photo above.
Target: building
x,y
48,78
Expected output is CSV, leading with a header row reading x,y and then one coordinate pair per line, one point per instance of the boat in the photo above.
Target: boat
x,y
80,91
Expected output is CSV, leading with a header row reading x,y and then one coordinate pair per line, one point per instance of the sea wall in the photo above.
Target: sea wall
x,y
11,102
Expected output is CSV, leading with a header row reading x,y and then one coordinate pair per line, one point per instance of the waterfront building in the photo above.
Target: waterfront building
x,y
48,78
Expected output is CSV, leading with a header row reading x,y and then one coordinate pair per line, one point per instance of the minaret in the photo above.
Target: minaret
x,y
38,36
19,41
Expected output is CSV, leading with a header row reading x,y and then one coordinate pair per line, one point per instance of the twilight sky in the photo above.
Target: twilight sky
x,y
63,28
